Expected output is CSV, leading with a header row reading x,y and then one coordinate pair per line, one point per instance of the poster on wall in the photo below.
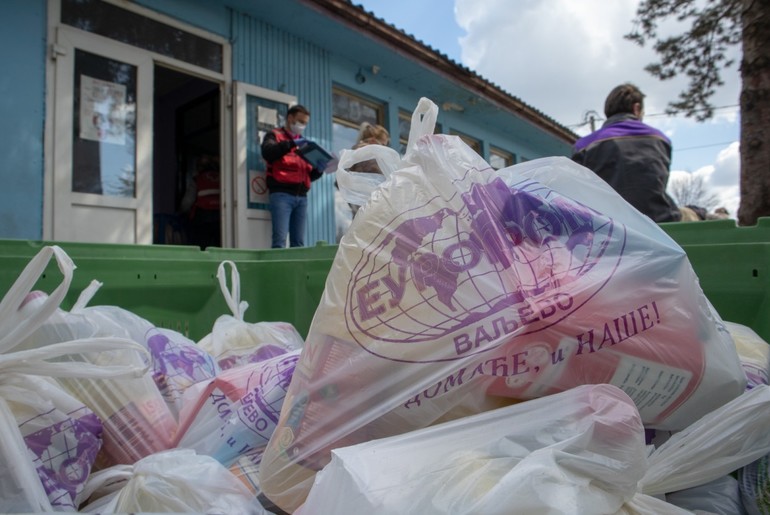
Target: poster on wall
x,y
266,118
102,111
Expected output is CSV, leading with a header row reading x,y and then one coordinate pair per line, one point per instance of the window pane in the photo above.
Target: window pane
x,y
500,158
134,29
471,142
104,126
353,110
343,137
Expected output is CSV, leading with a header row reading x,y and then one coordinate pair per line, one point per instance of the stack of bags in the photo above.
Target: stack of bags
x,y
464,299
104,412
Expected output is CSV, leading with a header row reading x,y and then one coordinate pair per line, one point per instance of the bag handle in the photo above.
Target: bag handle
x,y
13,329
423,123
232,297
85,296
33,361
357,187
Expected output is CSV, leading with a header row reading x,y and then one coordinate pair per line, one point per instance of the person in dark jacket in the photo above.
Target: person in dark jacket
x,y
632,157
288,178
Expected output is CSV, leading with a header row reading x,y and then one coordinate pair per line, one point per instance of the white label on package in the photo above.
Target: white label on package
x,y
652,386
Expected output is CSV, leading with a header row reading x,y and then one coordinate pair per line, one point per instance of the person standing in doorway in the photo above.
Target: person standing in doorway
x,y
288,178
631,156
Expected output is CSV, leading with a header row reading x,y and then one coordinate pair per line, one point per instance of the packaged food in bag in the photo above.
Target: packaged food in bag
x,y
233,341
456,282
137,421
235,414
177,362
50,439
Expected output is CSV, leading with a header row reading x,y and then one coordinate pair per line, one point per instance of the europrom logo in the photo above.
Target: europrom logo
x,y
504,262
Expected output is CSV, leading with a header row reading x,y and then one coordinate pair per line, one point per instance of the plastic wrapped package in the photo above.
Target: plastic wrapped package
x,y
581,451
176,481
234,414
456,283
233,341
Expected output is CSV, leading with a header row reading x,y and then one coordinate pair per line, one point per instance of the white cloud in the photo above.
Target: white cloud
x,y
722,177
562,57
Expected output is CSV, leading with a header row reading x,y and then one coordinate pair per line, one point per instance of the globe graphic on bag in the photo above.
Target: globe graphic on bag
x,y
436,271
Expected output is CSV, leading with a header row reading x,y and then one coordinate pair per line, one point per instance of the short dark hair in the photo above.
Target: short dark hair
x,y
622,100
298,109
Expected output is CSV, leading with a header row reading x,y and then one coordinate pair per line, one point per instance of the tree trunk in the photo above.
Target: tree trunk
x,y
755,113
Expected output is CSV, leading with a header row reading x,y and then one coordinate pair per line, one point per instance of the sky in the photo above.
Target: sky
x,y
562,57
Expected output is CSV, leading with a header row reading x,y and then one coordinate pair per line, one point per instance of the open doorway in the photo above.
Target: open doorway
x,y
186,156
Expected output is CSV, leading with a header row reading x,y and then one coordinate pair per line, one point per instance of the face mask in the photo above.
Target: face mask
x,y
297,128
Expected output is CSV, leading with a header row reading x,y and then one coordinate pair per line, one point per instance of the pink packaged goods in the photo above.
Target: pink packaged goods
x,y
457,282
235,413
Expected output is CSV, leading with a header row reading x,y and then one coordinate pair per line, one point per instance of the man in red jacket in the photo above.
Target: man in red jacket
x,y
288,178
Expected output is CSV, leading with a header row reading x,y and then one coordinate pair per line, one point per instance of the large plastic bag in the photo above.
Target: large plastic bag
x,y
456,282
233,341
176,481
50,439
235,414
579,451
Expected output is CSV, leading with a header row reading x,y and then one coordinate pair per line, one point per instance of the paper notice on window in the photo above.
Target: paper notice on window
x,y
102,111
267,118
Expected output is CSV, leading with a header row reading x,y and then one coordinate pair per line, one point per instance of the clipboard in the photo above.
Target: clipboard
x,y
314,154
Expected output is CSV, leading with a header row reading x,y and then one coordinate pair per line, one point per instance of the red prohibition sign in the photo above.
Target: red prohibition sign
x,y
259,185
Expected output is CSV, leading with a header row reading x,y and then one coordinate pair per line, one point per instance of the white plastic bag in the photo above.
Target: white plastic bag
x,y
176,481
456,282
580,451
719,443
233,341
357,187
137,421
50,439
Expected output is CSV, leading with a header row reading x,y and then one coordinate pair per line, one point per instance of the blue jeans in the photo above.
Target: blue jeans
x,y
289,214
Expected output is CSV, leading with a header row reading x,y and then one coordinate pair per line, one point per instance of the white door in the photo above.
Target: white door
x,y
257,111
102,171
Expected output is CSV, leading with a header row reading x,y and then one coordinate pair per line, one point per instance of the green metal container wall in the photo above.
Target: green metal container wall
x,y
176,287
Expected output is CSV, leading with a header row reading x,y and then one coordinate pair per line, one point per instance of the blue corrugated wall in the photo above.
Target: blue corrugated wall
x,y
22,105
273,59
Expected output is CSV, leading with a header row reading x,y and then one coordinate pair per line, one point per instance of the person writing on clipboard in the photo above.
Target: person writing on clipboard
x,y
289,175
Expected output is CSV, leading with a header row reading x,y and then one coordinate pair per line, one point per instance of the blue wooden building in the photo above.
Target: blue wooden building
x,y
108,106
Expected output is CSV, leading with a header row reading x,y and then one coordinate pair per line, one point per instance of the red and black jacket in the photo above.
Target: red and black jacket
x,y
287,172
